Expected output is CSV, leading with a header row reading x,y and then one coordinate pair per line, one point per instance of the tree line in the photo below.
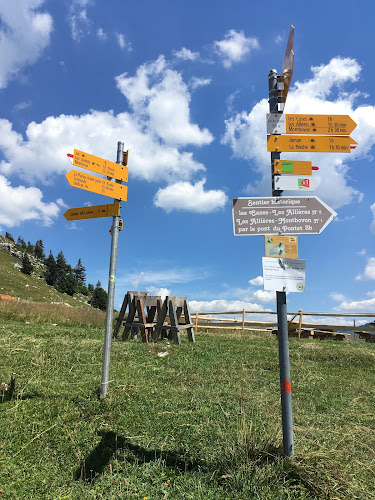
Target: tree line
x,y
59,274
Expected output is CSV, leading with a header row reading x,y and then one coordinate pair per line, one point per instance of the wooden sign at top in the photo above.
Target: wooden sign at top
x,y
100,165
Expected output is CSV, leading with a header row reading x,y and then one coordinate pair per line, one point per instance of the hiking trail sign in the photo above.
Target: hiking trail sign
x,y
296,182
310,143
293,167
276,215
310,124
97,185
93,212
100,165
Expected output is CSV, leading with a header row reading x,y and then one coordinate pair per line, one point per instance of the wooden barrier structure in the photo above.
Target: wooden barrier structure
x,y
300,329
149,314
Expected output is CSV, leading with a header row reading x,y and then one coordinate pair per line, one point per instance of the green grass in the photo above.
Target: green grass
x,y
203,422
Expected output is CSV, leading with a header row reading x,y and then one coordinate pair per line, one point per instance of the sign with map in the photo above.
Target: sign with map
x,y
281,246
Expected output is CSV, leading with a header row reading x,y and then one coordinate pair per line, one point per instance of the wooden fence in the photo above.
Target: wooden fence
x,y
209,320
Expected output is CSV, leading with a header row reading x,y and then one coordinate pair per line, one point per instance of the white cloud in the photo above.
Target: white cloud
x,y
162,292
20,204
101,34
78,19
235,47
246,132
199,82
22,105
24,35
123,43
365,306
191,197
186,54
362,252
162,277
337,296
372,226
279,39
265,296
222,305
258,281
369,272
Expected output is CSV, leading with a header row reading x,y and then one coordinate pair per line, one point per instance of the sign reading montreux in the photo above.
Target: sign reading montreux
x,y
275,215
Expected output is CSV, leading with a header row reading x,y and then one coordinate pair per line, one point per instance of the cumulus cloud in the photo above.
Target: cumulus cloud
x,y
191,197
265,296
339,297
235,47
323,93
369,272
365,306
20,204
258,281
186,54
25,33
162,292
223,305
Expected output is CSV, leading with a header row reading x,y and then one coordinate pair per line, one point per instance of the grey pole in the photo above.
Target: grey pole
x,y
282,320
111,291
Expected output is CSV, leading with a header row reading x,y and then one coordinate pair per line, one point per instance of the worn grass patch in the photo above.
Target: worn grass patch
x,y
201,422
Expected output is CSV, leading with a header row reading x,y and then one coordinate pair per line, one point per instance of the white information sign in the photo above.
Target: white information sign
x,y
284,275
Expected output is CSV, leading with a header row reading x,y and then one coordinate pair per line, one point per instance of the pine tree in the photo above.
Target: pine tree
x,y
26,268
21,242
39,250
80,273
50,274
30,248
99,297
9,237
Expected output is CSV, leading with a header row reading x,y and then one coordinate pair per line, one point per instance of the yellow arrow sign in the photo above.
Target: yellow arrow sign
x,y
97,185
313,144
278,123
293,167
100,166
92,212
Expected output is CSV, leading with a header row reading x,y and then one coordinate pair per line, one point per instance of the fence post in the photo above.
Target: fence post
x,y
299,324
243,321
196,323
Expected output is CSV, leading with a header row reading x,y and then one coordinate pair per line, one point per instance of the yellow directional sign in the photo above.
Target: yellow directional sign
x,y
97,185
293,167
100,166
93,212
313,144
281,246
278,123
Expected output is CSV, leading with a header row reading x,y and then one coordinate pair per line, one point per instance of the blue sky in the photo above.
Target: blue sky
x,y
184,86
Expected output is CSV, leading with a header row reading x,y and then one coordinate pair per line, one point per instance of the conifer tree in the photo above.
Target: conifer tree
x,y
39,250
30,248
26,268
9,237
50,274
99,297
21,242
80,273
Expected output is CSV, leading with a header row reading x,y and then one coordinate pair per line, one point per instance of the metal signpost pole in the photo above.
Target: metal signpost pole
x,y
111,291
282,321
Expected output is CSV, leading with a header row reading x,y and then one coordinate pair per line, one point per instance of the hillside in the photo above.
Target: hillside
x,y
33,288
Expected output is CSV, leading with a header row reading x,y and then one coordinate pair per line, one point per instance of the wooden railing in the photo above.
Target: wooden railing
x,y
208,320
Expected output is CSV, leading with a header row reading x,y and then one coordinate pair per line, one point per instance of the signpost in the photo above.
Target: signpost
x,y
293,167
100,165
289,215
312,144
310,124
284,275
296,183
277,246
97,185
92,212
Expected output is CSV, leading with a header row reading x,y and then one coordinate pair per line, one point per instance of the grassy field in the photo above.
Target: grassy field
x,y
197,421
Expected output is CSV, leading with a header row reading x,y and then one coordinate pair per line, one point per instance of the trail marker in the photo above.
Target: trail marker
x,y
100,165
313,144
296,183
310,124
276,215
93,212
97,185
293,167
284,275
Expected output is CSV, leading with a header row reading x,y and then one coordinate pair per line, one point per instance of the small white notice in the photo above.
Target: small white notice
x,y
284,275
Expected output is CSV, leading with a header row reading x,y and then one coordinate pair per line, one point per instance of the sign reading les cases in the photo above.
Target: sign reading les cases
x,y
275,215
278,123
100,165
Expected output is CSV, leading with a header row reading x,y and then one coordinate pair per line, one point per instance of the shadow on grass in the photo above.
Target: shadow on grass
x,y
101,455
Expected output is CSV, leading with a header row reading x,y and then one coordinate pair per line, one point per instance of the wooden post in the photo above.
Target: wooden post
x,y
353,330
299,324
243,321
196,323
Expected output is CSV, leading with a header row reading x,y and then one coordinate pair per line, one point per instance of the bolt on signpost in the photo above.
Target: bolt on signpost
x,y
106,187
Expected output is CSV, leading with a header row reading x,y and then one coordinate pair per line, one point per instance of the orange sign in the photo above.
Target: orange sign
x,y
281,246
97,185
293,167
319,124
100,166
313,144
92,212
